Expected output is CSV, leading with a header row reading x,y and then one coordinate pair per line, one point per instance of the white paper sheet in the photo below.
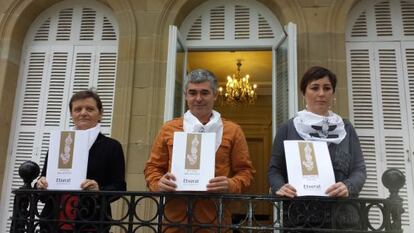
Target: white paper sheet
x,y
68,159
193,160
309,167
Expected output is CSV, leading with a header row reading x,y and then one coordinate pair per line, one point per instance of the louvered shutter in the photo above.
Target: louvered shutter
x,y
394,134
105,82
174,104
282,84
71,47
43,71
95,67
407,12
379,117
408,84
231,23
284,81
379,75
360,71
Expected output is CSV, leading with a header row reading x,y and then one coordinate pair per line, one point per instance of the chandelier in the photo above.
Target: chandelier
x,y
238,89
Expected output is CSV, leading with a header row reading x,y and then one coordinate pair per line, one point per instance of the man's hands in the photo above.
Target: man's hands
x,y
167,183
219,184
85,185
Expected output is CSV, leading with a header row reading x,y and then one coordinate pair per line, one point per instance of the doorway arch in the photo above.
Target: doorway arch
x,y
220,27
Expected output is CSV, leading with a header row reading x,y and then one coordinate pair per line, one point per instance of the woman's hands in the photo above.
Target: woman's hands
x,y
85,185
336,190
42,183
287,190
89,185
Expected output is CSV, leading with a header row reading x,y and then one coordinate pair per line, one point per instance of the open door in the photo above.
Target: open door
x,y
176,72
284,78
284,84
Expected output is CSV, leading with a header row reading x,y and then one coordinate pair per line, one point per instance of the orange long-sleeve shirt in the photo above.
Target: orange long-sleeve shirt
x,y
232,160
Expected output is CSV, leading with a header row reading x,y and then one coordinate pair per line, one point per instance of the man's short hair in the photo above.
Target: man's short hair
x,y
200,76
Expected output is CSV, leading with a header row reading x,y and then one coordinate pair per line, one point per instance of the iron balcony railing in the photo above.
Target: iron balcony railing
x,y
316,214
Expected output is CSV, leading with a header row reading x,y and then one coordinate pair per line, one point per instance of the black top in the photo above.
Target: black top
x,y
106,165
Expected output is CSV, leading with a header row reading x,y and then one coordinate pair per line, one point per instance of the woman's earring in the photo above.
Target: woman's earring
x,y
333,103
304,103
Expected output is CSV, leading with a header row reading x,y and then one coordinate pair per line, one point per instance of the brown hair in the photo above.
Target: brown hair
x,y
315,73
81,95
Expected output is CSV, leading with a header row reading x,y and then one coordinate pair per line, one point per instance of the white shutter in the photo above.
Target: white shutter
x,y
42,33
108,30
361,87
380,20
408,84
64,24
29,115
87,27
241,22
393,128
105,83
58,86
96,67
377,100
231,23
217,23
264,29
407,14
360,27
284,78
176,72
195,31
282,84
380,73
383,21
70,47
84,57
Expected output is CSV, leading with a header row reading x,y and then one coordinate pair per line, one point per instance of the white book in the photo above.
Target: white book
x,y
193,160
67,162
309,167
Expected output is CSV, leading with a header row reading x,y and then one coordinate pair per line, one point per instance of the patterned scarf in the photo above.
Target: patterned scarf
x,y
314,127
191,124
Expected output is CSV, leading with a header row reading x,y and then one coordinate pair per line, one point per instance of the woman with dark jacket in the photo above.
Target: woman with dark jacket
x,y
105,171
318,123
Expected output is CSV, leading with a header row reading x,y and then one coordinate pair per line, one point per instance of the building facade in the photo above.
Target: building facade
x,y
129,52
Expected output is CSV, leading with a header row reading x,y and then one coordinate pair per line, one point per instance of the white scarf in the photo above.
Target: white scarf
x,y
191,124
314,127
93,134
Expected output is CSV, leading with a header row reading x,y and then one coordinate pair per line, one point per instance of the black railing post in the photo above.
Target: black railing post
x,y
393,179
22,206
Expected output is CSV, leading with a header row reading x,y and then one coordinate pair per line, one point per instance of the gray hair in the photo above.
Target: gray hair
x,y
200,76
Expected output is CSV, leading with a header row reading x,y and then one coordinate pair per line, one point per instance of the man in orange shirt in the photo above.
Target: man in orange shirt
x,y
233,168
